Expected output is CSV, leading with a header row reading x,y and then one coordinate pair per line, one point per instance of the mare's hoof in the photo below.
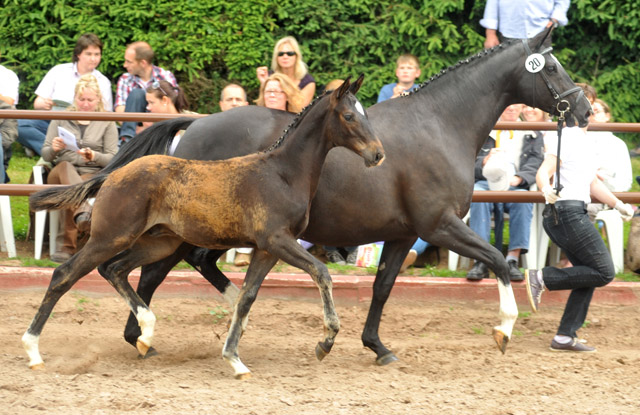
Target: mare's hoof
x,y
386,359
150,353
501,339
39,366
142,348
243,376
320,352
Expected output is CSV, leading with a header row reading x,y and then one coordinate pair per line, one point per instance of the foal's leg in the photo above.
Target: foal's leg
x,y
452,233
289,250
393,253
64,277
147,249
260,265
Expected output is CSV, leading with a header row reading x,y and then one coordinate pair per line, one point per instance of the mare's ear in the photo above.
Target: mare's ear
x,y
356,85
343,88
540,38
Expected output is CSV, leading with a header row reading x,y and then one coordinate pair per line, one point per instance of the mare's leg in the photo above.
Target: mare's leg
x,y
64,277
452,233
393,253
204,261
260,265
151,276
147,249
289,250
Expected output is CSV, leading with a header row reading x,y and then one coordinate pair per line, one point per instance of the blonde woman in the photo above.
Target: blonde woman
x,y
86,148
287,60
280,93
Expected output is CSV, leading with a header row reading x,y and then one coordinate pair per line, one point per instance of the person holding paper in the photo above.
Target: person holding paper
x,y
78,150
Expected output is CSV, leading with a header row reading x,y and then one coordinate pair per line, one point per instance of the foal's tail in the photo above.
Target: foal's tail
x,y
67,196
153,140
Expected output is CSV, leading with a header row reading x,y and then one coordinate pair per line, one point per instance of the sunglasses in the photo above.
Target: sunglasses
x,y
156,85
288,53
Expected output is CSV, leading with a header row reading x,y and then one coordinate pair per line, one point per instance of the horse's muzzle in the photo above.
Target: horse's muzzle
x,y
377,157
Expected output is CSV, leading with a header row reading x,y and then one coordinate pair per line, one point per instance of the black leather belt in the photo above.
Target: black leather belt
x,y
571,203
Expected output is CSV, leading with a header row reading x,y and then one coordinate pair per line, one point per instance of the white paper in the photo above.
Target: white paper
x,y
68,138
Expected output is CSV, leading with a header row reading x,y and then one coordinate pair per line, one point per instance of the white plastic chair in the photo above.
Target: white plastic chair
x,y
7,240
41,219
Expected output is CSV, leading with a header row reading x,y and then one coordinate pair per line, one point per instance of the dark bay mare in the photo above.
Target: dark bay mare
x,y
431,138
148,208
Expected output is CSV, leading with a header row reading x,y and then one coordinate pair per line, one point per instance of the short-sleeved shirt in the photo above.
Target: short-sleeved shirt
x,y
127,82
9,84
386,92
523,19
306,80
60,82
578,162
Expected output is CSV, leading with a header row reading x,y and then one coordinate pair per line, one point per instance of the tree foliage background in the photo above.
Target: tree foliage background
x,y
208,43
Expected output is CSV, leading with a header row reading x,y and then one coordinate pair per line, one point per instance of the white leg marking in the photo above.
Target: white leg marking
x,y
239,369
231,293
508,309
30,344
146,321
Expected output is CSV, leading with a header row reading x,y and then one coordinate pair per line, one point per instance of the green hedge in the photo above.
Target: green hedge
x,y
209,42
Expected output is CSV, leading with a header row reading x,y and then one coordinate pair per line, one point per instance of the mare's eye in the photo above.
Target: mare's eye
x,y
348,116
552,69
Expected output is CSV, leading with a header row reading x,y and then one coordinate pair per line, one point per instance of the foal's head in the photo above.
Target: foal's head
x,y
348,125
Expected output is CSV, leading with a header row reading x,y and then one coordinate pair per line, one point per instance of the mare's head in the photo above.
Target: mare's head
x,y
348,125
546,85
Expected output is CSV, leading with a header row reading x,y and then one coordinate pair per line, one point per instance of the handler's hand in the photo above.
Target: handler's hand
x,y
550,194
625,209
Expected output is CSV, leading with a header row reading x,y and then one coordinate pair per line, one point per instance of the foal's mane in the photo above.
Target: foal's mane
x,y
461,62
296,121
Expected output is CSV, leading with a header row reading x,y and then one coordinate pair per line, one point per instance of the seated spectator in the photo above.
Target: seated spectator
x,y
508,160
232,95
407,71
8,134
55,91
164,98
287,60
9,84
613,155
95,144
132,86
280,93
416,250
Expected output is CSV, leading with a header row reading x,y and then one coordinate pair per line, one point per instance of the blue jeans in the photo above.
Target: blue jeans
x,y
520,215
592,264
136,102
420,246
32,133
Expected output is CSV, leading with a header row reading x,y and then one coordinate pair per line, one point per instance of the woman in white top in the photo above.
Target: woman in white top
x,y
566,222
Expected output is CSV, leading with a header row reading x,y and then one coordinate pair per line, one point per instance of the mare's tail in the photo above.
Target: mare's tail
x,y
153,140
67,196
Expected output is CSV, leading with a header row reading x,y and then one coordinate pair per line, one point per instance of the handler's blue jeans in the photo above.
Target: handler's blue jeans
x,y
592,264
32,133
520,215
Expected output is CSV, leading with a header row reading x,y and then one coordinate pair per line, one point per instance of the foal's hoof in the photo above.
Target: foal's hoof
x,y
320,352
501,339
150,353
243,376
39,366
386,359
143,349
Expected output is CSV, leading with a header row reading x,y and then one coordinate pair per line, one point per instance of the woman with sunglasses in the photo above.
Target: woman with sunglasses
x,y
78,150
287,60
279,93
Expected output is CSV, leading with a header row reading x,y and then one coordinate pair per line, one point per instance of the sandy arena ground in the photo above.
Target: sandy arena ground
x,y
448,361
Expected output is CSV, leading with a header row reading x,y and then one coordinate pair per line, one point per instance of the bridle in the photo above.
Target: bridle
x,y
561,105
